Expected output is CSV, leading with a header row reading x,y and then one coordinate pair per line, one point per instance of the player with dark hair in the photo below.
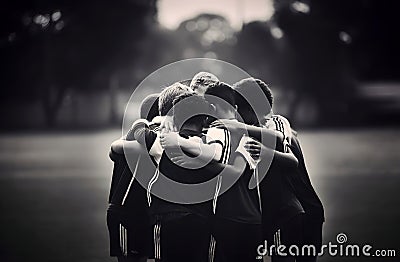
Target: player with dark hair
x,y
149,107
251,97
164,215
127,214
237,226
243,218
140,134
292,211
171,218
182,229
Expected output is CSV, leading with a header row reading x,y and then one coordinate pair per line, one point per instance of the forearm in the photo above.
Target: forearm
x,y
285,159
121,146
269,138
234,170
201,150
266,136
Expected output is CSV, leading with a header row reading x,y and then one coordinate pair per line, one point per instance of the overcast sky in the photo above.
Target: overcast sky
x,y
172,12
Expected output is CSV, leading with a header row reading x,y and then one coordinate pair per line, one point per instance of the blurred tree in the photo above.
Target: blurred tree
x,y
52,46
334,43
206,35
257,51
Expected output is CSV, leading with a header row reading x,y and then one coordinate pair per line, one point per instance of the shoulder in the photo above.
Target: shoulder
x,y
282,122
117,148
215,134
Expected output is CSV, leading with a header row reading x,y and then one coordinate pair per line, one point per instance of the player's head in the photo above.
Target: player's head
x,y
190,109
254,100
167,96
201,81
149,107
222,97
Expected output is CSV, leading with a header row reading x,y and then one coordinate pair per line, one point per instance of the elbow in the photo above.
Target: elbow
x,y
117,147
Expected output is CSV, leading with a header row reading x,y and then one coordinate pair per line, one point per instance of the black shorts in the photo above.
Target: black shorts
x,y
236,241
299,231
183,238
129,233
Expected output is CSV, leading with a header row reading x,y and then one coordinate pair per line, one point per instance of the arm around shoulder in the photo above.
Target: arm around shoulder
x,y
121,146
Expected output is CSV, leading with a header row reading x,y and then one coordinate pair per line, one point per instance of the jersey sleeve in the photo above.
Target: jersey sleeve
x,y
281,124
143,133
246,155
156,150
219,137
136,128
147,135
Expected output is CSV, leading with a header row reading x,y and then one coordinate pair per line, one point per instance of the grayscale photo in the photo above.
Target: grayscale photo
x,y
199,131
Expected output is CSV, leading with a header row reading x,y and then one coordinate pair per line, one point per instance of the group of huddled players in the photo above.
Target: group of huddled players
x,y
209,173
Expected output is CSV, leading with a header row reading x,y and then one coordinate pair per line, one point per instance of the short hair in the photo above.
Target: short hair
x,y
245,110
250,98
267,91
167,96
248,84
203,78
149,107
221,91
190,107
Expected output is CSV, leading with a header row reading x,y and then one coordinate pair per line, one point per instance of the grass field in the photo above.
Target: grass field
x,y
54,190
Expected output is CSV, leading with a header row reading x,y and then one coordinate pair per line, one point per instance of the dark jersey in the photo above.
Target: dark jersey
x,y
119,170
169,173
125,186
278,197
301,181
125,190
286,192
303,187
278,194
185,176
238,203
127,214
